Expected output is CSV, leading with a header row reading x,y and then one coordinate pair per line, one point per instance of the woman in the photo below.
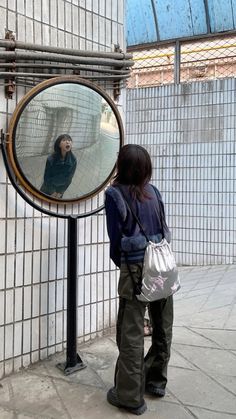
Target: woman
x,y
135,374
60,168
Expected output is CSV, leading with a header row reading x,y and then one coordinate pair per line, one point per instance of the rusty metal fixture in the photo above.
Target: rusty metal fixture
x,y
113,66
10,85
116,88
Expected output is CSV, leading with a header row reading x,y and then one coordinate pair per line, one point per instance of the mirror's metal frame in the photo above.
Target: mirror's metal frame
x,y
73,361
11,152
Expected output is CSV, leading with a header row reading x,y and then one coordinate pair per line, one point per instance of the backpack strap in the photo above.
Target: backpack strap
x,y
137,286
165,229
161,208
133,213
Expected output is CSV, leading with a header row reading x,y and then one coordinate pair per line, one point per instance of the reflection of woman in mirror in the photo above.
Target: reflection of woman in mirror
x,y
60,168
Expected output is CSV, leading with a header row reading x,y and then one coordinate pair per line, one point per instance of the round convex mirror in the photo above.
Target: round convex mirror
x,y
64,138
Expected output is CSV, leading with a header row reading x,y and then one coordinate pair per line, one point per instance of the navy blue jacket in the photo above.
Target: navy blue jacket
x,y
127,242
58,173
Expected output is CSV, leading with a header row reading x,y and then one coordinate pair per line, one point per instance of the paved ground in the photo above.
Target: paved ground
x,y
202,372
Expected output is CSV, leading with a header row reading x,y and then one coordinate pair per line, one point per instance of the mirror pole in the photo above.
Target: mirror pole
x,y
73,361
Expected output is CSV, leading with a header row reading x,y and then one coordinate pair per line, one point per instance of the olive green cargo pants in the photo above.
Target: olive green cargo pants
x,y
133,371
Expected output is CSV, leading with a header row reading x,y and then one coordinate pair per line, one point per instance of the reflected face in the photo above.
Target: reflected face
x,y
81,112
65,145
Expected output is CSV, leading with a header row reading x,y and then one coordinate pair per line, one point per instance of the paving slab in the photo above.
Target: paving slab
x,y
200,292
230,321
177,360
82,401
48,368
31,394
6,414
222,338
162,410
209,360
193,336
215,318
207,414
197,389
228,382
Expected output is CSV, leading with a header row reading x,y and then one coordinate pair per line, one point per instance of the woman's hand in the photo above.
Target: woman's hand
x,y
56,195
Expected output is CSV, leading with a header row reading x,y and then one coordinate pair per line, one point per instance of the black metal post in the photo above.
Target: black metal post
x,y
72,292
73,361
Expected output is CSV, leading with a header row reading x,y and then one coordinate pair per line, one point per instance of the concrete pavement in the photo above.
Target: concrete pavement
x,y
202,371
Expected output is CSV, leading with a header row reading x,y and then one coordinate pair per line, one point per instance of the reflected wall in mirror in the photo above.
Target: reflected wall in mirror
x,y
66,139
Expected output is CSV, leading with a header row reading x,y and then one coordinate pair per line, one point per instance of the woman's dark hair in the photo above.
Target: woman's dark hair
x,y
134,168
61,137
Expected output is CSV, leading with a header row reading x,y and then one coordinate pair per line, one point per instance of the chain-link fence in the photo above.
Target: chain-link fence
x,y
185,117
205,59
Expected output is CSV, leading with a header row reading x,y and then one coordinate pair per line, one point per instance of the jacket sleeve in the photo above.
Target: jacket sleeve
x,y
114,228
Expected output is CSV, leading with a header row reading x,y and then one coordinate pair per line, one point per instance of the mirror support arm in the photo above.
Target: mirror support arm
x,y
73,361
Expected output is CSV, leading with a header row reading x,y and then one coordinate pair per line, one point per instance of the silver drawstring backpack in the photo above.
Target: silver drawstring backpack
x,y
160,277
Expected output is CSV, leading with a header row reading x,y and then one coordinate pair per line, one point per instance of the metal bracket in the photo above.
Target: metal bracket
x,y
64,367
10,84
116,84
4,137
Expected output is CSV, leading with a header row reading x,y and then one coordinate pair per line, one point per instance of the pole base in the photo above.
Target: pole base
x,y
67,370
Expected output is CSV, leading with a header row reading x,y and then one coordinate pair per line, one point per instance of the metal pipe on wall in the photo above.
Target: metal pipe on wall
x,y
63,67
64,51
113,66
13,55
14,75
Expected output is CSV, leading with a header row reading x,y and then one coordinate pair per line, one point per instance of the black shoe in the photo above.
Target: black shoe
x,y
155,391
113,399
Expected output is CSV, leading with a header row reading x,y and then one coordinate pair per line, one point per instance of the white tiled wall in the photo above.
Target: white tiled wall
x,y
189,130
33,257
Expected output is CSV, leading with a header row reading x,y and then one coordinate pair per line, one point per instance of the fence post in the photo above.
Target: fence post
x,y
177,62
